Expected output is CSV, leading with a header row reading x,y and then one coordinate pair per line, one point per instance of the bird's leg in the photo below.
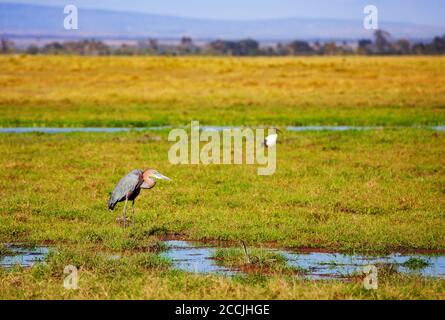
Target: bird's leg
x,y
124,213
132,214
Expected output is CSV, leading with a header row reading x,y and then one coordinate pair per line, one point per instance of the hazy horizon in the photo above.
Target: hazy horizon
x,y
408,11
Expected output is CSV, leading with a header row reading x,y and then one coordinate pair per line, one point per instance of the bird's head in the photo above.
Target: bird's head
x,y
150,176
154,175
276,130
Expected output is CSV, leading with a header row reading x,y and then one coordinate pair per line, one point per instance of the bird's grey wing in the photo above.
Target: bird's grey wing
x,y
126,185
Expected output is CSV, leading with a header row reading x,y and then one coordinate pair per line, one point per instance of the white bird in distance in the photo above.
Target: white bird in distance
x,y
271,139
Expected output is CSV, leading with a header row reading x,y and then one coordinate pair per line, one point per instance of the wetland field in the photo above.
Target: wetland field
x,y
372,192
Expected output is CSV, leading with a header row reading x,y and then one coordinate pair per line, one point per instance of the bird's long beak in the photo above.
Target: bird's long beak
x,y
160,176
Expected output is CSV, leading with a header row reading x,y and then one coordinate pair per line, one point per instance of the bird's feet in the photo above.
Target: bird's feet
x,y
122,220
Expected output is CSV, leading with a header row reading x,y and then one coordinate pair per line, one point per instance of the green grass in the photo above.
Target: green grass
x,y
148,91
416,263
371,191
363,191
132,279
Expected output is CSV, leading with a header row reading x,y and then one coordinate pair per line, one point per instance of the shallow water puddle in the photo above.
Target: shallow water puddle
x,y
194,258
336,265
24,256
78,129
197,258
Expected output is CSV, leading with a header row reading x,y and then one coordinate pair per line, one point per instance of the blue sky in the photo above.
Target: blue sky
x,y
427,12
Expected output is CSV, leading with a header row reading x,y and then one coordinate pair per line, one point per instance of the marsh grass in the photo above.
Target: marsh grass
x,y
259,260
5,251
416,263
386,270
127,281
149,91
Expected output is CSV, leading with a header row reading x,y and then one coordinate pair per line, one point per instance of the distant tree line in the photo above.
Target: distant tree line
x,y
383,44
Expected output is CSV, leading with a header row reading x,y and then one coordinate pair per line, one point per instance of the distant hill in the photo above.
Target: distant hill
x,y
33,20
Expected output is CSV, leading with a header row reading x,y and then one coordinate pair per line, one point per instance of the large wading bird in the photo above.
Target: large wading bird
x,y
129,187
